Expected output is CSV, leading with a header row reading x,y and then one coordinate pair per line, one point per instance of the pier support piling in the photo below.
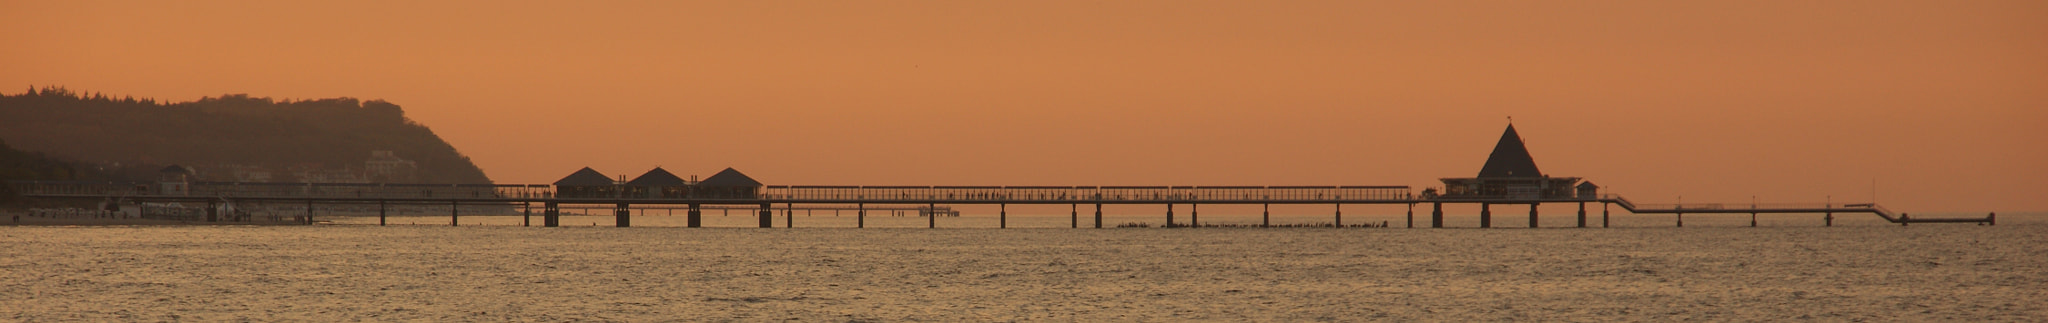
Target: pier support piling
x,y
380,213
1002,216
525,213
1436,215
1098,215
789,215
1485,215
1752,219
931,213
860,217
454,213
1532,214
309,212
551,214
623,216
1194,215
1603,214
1830,218
1266,216
1074,215
1339,221
767,214
1681,220
1582,214
1411,215
696,216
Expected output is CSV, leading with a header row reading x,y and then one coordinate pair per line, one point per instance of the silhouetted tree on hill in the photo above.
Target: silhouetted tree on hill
x,y
229,129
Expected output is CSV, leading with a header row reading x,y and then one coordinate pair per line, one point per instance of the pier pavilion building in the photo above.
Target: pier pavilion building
x,y
586,183
728,183
657,183
1510,173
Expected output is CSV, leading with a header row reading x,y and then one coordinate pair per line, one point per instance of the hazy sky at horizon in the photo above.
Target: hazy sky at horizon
x,y
1939,102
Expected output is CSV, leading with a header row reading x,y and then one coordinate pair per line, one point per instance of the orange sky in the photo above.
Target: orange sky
x,y
1940,102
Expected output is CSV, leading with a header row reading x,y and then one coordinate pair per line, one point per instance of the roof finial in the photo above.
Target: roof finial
x,y
1511,120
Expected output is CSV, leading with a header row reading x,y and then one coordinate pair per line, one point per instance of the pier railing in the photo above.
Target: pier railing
x,y
278,190
1755,206
1087,193
813,193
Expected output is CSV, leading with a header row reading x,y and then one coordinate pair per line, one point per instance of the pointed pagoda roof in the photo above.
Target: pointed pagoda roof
x,y
1510,158
585,177
658,177
729,178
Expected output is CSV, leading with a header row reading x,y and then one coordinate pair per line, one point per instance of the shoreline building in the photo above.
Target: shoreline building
x,y
1510,173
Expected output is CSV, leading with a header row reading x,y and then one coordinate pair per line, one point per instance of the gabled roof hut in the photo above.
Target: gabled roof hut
x,y
658,183
728,183
585,177
729,178
586,183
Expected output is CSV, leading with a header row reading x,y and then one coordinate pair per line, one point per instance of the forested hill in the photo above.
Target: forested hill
x,y
284,141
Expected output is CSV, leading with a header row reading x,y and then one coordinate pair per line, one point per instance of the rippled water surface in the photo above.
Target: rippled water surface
x,y
492,270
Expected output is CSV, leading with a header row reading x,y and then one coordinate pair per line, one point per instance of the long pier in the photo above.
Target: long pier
x,y
925,199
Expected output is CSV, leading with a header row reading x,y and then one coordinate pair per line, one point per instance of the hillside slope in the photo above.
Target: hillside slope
x,y
129,137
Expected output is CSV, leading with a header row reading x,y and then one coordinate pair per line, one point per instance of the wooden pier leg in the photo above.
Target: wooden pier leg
x,y
767,214
1098,215
551,214
525,217
1681,220
1002,216
380,213
696,216
1603,214
1194,215
1074,215
931,216
1340,215
309,212
1532,214
789,215
1266,216
1752,219
454,213
1830,218
1485,215
1582,214
1436,215
1411,215
622,216
860,217
1169,215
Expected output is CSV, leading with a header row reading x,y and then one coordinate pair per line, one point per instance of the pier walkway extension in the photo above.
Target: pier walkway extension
x,y
924,200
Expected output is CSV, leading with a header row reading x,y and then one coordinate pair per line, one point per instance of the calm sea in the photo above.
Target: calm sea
x,y
1716,268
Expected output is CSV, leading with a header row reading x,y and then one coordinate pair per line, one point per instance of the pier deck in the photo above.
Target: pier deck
x,y
926,198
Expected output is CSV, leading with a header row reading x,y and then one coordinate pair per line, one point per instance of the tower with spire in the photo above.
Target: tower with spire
x,y
1510,173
